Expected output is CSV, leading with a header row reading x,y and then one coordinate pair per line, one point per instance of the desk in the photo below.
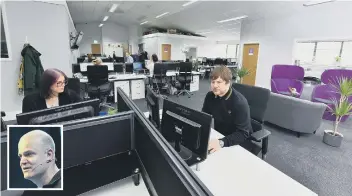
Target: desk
x,y
235,171
132,84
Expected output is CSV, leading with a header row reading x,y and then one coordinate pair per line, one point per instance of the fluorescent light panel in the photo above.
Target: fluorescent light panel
x,y
311,3
105,18
233,19
144,22
189,3
163,14
101,25
113,7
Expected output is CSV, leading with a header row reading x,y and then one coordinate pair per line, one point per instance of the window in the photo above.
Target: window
x,y
323,53
4,37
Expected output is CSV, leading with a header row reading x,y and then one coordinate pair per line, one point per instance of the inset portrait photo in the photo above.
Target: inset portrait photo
x,y
34,157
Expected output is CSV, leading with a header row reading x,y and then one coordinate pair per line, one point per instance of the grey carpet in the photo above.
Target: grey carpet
x,y
325,170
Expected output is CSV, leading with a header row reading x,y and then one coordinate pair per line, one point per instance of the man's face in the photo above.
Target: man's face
x,y
31,154
219,86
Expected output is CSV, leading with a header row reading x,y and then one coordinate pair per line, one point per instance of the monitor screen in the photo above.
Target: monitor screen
x,y
137,66
63,113
187,130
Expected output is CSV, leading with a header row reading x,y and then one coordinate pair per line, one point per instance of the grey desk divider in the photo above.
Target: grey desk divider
x,y
168,173
101,150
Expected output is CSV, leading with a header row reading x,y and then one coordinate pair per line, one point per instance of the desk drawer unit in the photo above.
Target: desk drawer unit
x,y
138,89
124,85
194,86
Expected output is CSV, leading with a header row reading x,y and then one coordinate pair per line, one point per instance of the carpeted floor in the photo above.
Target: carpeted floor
x,y
325,170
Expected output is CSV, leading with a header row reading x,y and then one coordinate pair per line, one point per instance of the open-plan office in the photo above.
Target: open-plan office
x,y
142,71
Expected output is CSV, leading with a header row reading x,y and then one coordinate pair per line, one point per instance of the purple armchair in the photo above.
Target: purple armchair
x,y
284,77
325,93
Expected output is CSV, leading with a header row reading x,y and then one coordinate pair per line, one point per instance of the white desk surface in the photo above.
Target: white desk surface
x,y
173,73
120,77
235,171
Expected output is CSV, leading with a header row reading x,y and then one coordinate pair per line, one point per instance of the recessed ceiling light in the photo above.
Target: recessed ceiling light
x,y
113,7
101,25
144,22
311,3
233,19
189,3
163,14
105,18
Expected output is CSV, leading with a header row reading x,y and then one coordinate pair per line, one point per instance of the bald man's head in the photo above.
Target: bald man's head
x,y
36,150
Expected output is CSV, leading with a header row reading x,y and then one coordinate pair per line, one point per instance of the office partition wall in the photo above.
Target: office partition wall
x,y
168,173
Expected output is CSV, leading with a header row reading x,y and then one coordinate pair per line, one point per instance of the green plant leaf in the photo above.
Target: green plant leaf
x,y
243,72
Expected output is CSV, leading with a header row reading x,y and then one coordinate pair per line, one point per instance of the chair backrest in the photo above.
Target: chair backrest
x,y
287,71
160,69
98,74
74,85
185,71
257,99
3,124
330,76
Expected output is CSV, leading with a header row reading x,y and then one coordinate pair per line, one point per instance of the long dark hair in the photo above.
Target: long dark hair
x,y
49,77
154,58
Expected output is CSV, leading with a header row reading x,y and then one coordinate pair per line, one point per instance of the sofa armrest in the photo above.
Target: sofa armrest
x,y
260,135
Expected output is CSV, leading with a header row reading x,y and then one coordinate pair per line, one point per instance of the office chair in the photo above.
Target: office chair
x,y
185,78
75,85
98,83
3,125
257,99
159,77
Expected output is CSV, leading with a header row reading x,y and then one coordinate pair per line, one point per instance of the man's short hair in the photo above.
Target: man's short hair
x,y
223,72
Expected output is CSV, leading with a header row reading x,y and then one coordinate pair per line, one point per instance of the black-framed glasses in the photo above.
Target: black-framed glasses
x,y
59,84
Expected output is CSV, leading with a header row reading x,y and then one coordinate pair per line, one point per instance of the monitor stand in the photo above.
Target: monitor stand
x,y
184,153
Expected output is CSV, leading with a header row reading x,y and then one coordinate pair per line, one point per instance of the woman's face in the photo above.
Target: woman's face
x,y
59,85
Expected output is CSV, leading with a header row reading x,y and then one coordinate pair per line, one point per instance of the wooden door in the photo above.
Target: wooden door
x,y
96,49
166,52
250,61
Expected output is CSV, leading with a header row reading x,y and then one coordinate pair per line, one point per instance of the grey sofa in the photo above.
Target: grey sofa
x,y
298,115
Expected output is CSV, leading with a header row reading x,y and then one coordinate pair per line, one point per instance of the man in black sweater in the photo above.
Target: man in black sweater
x,y
229,109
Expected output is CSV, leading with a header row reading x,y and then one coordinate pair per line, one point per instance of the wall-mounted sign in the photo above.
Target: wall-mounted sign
x,y
251,51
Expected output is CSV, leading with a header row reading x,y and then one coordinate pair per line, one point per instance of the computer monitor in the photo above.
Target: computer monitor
x,y
137,66
153,107
84,109
118,67
119,59
187,130
80,59
129,67
76,68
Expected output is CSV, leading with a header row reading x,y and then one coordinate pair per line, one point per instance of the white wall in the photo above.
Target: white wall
x,y
109,32
92,32
46,26
277,36
205,48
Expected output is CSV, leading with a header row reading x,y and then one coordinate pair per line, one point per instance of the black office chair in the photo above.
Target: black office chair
x,y
75,85
159,79
3,125
185,78
257,99
98,83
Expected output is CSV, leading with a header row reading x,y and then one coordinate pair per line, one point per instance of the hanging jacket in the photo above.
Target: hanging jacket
x,y
32,68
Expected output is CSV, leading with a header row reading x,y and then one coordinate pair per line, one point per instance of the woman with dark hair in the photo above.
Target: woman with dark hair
x,y
150,65
52,92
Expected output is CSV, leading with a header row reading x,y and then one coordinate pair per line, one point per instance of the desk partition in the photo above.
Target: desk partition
x,y
101,150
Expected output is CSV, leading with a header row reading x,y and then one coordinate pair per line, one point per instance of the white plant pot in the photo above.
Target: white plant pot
x,y
332,140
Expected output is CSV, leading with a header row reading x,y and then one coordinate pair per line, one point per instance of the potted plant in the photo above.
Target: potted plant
x,y
241,73
340,108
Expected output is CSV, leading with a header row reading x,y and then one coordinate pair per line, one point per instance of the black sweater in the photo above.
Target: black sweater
x,y
35,102
231,116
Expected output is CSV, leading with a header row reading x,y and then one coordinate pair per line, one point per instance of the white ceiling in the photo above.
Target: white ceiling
x,y
201,16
